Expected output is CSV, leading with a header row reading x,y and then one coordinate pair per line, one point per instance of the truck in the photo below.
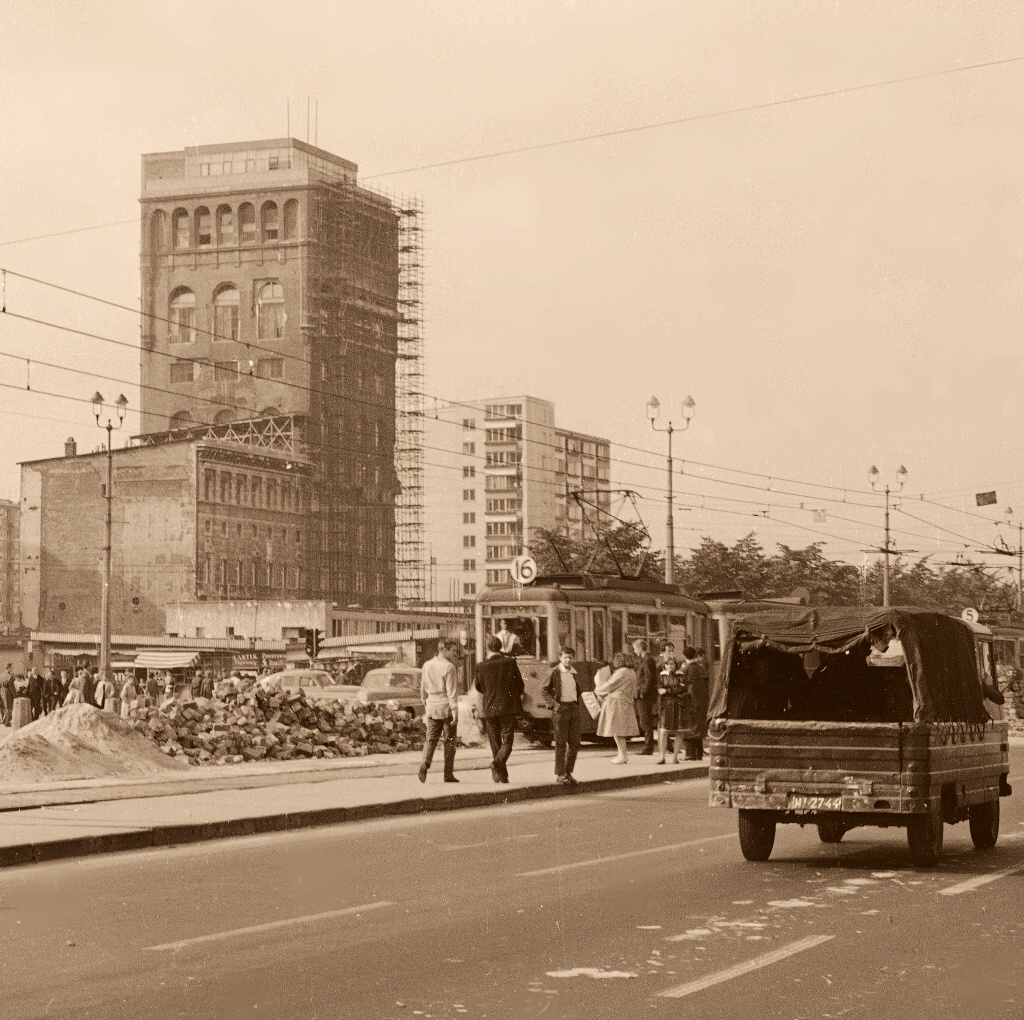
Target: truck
x,y
840,717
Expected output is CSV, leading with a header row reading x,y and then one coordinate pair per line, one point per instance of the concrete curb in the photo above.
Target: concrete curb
x,y
197,832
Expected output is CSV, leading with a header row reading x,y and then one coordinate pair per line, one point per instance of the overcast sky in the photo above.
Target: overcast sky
x,y
837,282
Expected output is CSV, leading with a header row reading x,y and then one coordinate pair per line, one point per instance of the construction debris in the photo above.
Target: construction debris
x,y
246,722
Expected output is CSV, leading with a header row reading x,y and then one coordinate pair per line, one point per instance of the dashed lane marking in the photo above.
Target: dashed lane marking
x,y
624,857
739,969
978,881
272,925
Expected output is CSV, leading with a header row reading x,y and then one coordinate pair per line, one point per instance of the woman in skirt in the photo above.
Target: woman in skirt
x,y
616,689
672,711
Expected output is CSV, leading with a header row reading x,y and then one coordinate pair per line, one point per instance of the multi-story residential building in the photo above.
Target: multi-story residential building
x,y
271,292
500,468
10,561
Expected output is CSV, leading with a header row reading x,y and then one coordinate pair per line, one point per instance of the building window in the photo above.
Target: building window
x,y
158,231
468,541
179,420
256,495
239,579
241,489
225,371
206,571
270,312
182,371
469,518
286,500
225,314
247,223
209,488
291,220
270,368
468,423
269,217
272,494
180,228
183,316
468,495
469,471
298,538
225,226
204,227
469,449
469,564
469,588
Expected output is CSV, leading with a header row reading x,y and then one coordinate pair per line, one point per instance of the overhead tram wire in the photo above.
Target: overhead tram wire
x,y
73,230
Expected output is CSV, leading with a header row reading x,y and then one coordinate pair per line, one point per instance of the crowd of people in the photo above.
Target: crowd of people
x,y
659,698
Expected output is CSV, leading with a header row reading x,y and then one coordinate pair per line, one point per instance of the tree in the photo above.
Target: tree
x,y
621,547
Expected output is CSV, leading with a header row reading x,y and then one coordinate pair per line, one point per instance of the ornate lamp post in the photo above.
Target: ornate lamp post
x,y
653,411
97,409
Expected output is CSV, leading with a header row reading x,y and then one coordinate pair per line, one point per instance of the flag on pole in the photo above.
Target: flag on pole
x,y
985,498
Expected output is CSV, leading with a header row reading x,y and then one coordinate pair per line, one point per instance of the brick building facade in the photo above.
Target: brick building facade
x,y
10,561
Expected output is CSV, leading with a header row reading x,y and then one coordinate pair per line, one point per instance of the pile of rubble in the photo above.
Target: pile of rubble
x,y
246,722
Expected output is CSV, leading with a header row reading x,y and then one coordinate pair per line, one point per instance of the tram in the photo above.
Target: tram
x,y
596,616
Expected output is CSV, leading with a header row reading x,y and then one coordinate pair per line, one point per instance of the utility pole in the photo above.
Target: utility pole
x,y
97,408
653,410
901,477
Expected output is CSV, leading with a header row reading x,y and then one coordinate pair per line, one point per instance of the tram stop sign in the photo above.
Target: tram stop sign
x,y
524,569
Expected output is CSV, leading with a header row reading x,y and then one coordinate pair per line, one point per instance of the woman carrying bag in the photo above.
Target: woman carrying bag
x,y
616,689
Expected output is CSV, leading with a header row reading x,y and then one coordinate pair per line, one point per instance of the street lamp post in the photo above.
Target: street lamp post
x,y
97,410
901,477
653,410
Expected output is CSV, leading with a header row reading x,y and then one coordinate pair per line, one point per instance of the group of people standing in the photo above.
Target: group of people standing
x,y
639,695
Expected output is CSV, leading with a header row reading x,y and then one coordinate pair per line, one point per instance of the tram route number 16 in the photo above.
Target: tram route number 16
x,y
524,569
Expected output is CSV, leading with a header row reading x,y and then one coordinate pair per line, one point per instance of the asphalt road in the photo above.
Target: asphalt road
x,y
492,912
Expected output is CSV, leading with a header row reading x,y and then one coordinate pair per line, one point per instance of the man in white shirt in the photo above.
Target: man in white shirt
x,y
440,696
563,693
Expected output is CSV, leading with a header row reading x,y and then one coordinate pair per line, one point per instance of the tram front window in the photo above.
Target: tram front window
x,y
522,635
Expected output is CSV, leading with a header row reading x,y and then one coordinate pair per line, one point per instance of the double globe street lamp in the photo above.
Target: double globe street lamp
x,y
901,478
653,412
121,406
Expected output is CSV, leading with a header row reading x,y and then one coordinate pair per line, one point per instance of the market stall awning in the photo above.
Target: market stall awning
x,y
154,659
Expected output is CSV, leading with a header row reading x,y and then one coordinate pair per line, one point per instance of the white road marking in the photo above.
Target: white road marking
x,y
271,925
979,880
491,842
765,960
623,857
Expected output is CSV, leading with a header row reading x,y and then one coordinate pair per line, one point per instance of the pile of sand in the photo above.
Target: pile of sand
x,y
80,742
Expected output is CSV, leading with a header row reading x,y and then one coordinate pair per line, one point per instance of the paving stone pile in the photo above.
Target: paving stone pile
x,y
245,722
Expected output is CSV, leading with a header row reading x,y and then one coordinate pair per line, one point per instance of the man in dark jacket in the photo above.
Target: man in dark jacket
x,y
646,701
695,678
35,692
499,681
89,687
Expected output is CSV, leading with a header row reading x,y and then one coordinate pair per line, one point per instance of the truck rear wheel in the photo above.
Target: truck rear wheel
x,y
831,830
984,822
757,835
924,837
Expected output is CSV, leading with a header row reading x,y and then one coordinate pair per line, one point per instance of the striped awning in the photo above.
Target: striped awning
x,y
159,659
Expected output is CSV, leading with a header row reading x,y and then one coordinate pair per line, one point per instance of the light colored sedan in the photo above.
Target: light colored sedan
x,y
397,683
316,684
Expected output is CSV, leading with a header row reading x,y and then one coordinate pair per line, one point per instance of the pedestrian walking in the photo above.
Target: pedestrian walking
x,y
35,692
616,690
65,687
7,694
646,701
671,707
563,694
694,677
104,692
51,692
439,692
501,684
129,693
89,681
75,695
153,687
206,685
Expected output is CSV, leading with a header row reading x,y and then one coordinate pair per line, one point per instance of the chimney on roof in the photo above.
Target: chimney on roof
x,y
70,447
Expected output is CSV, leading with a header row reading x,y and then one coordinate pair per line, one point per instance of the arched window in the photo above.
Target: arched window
x,y
223,417
180,420
291,220
268,215
269,412
225,226
225,313
270,317
204,227
158,231
247,223
183,316
180,229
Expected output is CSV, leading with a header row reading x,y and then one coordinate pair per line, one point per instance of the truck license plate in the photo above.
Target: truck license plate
x,y
799,802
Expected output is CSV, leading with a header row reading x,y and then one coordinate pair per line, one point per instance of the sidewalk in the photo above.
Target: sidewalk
x,y
82,817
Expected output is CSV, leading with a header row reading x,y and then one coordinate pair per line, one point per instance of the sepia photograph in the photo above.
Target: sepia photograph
x,y
511,509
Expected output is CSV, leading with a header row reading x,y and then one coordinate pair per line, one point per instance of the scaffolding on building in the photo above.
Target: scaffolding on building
x,y
361,321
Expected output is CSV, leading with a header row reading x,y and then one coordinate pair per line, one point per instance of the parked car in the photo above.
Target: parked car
x,y
396,683
316,684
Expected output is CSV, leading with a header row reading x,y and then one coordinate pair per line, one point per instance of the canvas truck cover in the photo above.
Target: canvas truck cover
x,y
939,652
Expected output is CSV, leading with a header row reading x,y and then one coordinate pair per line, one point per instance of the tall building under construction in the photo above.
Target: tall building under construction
x,y
281,318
